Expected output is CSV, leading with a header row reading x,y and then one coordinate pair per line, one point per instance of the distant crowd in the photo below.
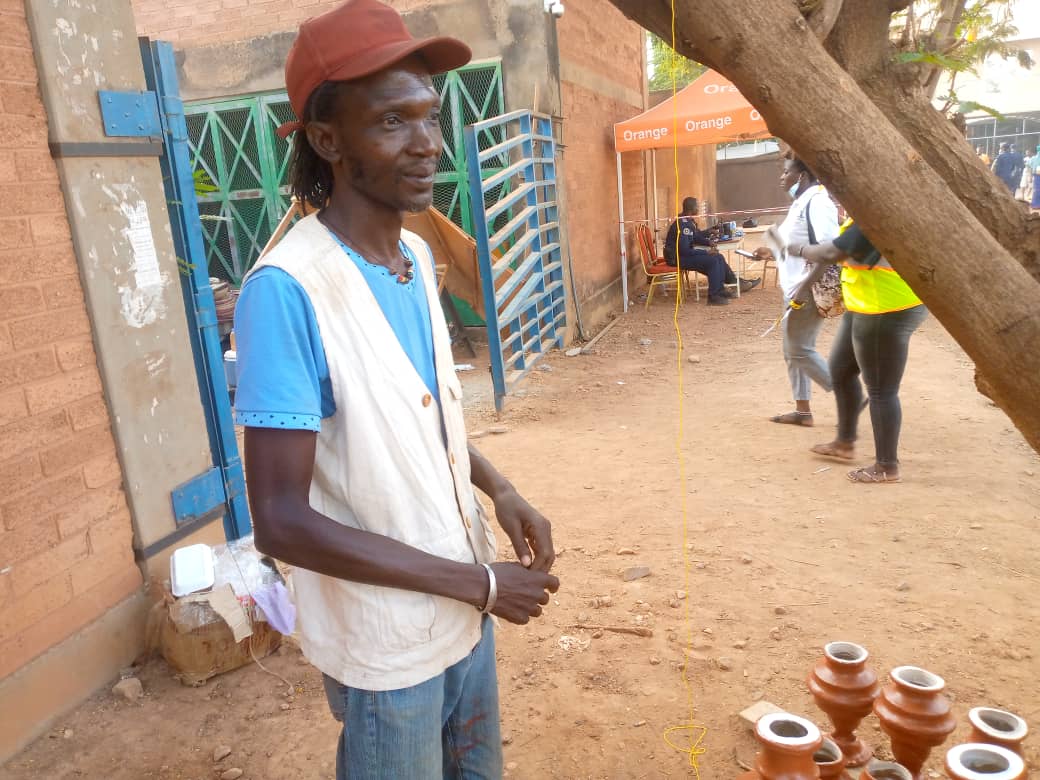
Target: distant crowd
x,y
1020,174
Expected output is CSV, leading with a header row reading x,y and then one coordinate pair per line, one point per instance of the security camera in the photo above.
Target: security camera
x,y
554,7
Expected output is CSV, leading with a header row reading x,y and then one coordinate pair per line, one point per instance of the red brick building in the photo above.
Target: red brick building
x,y
65,542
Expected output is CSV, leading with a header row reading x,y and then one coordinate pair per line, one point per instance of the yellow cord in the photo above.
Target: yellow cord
x,y
686,737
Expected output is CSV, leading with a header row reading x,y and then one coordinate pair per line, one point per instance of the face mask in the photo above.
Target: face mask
x,y
793,190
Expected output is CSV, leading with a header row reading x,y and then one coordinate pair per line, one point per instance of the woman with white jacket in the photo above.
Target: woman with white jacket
x,y
812,219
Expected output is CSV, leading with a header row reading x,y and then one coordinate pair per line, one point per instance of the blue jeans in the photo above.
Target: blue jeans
x,y
446,727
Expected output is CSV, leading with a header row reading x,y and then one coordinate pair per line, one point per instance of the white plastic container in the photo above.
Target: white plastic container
x,y
231,368
191,569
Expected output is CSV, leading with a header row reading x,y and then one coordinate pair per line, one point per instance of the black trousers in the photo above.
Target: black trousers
x,y
711,264
876,346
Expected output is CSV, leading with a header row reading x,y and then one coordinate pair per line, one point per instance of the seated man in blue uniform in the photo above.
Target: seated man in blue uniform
x,y
693,249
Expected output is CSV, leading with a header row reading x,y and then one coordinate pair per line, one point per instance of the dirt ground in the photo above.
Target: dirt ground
x,y
778,554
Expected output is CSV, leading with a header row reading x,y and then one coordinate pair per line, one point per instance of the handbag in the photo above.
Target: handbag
x,y
826,291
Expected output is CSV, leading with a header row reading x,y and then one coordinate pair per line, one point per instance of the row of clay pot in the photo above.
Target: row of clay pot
x,y
794,749
911,709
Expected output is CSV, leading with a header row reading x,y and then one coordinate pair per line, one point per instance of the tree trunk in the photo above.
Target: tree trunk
x,y
944,149
859,44
975,287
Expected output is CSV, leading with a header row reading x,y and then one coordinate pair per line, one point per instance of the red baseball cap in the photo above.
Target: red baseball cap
x,y
357,39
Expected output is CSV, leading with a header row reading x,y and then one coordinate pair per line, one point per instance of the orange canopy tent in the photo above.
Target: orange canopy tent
x,y
709,111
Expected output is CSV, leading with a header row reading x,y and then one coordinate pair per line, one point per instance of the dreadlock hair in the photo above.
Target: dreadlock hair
x,y
310,176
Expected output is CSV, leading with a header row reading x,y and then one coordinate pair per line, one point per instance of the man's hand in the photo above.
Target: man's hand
x,y
521,592
527,530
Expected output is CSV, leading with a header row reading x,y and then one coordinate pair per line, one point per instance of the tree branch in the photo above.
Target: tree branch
x,y
822,16
943,38
656,17
859,41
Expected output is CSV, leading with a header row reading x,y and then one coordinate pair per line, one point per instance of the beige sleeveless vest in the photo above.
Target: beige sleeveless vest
x,y
384,464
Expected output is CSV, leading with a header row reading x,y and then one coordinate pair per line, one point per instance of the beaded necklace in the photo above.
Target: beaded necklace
x,y
404,276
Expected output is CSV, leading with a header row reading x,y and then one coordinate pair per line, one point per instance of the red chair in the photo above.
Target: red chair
x,y
658,271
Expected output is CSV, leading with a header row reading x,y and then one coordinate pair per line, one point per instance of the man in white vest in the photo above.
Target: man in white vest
x,y
358,467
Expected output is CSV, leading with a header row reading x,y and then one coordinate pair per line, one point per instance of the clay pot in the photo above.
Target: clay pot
x,y
914,714
976,761
845,688
830,761
997,727
788,744
885,770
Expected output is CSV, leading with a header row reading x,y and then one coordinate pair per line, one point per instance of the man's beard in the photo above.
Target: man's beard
x,y
370,186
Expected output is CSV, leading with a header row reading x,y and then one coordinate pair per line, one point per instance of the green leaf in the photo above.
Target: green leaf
x,y
185,267
203,183
934,58
970,106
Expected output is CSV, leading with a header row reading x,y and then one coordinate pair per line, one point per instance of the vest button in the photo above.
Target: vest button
x,y
427,399
468,523
451,458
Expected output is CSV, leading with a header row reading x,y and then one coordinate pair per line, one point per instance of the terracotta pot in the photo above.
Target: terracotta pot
x,y
830,761
885,770
844,687
914,714
976,761
788,744
997,727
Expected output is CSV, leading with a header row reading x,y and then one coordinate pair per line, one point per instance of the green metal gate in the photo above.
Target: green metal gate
x,y
234,143
470,94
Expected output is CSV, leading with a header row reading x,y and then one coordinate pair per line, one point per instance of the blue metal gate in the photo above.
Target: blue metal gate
x,y
517,229
221,489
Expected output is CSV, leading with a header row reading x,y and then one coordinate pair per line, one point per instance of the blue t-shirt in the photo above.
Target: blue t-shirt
x,y
283,375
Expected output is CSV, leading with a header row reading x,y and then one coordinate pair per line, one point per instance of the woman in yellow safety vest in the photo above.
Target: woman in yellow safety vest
x,y
882,312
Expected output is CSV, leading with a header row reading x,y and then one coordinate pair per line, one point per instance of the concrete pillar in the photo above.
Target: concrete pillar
x,y
121,232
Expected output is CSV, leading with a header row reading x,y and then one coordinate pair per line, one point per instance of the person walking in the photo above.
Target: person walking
x,y
1035,170
882,313
1008,166
357,463
811,219
1025,184
692,249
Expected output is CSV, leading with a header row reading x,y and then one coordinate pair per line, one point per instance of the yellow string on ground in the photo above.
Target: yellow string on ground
x,y
686,737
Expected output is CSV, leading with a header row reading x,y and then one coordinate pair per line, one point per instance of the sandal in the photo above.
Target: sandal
x,y
794,418
828,450
872,477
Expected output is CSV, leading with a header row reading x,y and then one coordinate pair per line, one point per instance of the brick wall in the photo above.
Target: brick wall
x,y
65,529
602,52
199,22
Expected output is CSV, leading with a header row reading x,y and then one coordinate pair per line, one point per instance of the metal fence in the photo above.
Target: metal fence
x,y
517,229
